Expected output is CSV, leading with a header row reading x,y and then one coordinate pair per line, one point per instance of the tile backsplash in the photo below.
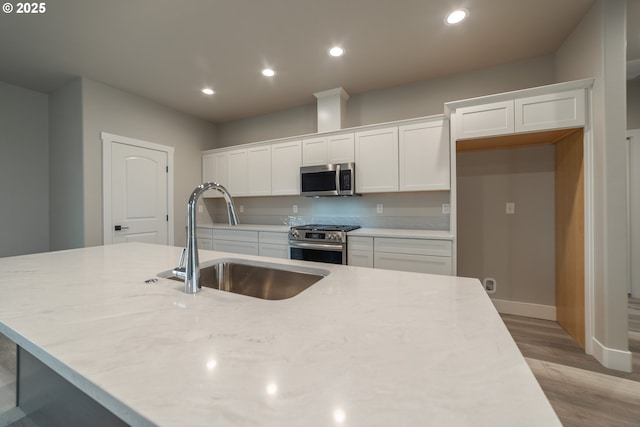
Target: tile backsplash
x,y
419,210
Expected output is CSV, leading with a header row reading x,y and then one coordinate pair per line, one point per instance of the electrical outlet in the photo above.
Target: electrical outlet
x,y
379,208
490,285
241,208
445,208
295,208
511,208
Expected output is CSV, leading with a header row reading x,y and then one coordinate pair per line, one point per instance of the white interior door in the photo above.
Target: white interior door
x,y
634,211
137,188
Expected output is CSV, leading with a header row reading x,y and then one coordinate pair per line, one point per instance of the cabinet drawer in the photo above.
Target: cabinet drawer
x,y
413,246
360,243
274,237
236,235
413,263
245,248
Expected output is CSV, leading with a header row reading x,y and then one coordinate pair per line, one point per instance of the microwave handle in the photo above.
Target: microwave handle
x,y
338,188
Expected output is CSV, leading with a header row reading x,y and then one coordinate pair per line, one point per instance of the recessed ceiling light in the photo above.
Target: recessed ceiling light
x,y
457,16
268,72
336,51
208,91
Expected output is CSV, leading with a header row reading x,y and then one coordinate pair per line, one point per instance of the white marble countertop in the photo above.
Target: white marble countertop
x,y
365,231
402,233
247,227
361,347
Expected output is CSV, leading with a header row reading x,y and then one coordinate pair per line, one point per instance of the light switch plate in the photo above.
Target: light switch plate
x,y
445,208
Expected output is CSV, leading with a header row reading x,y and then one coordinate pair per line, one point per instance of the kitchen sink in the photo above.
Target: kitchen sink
x,y
257,279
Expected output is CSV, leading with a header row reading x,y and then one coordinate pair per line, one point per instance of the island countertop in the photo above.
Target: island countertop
x,y
361,347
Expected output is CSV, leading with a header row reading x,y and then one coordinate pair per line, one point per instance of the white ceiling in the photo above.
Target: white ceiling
x,y
168,50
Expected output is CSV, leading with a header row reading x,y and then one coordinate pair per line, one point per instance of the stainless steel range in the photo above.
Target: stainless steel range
x,y
321,243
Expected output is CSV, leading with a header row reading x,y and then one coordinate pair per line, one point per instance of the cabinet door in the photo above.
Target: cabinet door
x,y
552,111
424,156
413,263
485,120
360,258
259,165
341,148
238,184
377,160
314,151
274,251
204,243
215,168
286,159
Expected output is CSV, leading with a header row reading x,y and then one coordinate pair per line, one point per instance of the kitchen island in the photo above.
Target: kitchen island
x,y
361,347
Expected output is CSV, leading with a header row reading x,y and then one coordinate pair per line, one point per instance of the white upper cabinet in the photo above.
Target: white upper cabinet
x,y
550,111
409,155
238,184
215,168
337,148
376,156
315,151
424,156
286,159
485,120
546,111
259,173
341,148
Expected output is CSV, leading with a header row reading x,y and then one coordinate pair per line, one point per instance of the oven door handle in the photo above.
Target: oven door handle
x,y
319,246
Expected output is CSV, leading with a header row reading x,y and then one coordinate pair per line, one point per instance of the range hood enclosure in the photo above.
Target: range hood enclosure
x,y
331,109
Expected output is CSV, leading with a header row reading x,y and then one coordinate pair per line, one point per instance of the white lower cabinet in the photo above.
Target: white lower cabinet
x,y
360,251
247,242
236,241
416,255
390,253
273,244
414,263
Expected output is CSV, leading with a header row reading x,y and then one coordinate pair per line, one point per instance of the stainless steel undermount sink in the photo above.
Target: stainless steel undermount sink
x,y
264,280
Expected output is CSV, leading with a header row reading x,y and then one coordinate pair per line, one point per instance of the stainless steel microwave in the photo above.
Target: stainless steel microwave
x,y
337,179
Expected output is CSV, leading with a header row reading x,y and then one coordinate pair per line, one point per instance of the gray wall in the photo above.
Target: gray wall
x,y
24,171
66,208
633,104
517,250
106,109
419,99
596,48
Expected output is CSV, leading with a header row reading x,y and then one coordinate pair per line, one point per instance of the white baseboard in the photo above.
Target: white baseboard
x,y
537,311
620,360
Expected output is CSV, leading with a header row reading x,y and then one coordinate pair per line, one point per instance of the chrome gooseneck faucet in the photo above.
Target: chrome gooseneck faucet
x,y
191,272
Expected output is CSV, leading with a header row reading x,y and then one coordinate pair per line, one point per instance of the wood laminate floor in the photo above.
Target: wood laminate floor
x,y
581,391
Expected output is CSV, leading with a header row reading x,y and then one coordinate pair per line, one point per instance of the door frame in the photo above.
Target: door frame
x,y
108,140
633,136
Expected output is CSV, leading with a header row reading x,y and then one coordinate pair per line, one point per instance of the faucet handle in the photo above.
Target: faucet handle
x,y
181,262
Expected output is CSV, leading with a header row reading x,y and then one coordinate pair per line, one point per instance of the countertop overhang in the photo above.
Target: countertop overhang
x,y
361,347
